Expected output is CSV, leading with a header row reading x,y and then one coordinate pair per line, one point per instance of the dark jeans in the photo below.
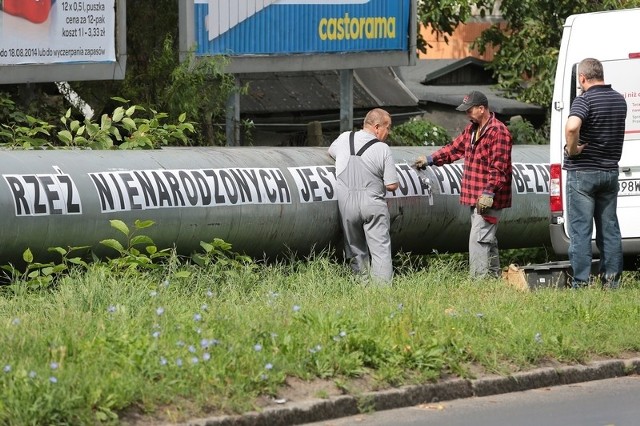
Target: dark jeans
x,y
592,197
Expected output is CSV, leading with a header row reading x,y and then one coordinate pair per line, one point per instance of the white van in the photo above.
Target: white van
x,y
612,37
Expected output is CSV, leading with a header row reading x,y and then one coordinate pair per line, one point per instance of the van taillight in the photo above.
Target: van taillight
x,y
555,189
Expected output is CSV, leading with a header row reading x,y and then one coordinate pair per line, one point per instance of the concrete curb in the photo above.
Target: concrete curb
x,y
348,405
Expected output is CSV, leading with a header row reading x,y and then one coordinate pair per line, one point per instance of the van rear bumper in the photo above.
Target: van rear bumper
x,y
559,240
560,243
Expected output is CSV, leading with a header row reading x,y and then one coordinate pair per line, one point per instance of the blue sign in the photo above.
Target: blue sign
x,y
282,27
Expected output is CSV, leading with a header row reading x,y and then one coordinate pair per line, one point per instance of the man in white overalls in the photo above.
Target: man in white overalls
x,y
365,171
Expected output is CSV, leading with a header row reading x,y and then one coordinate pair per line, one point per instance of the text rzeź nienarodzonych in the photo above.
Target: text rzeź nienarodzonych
x,y
121,191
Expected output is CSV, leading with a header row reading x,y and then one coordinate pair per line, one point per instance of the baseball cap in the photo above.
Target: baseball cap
x,y
472,99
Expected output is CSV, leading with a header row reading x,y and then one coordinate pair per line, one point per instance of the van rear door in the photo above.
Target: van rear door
x,y
623,77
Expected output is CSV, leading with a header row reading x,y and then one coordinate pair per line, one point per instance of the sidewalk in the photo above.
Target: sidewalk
x,y
316,410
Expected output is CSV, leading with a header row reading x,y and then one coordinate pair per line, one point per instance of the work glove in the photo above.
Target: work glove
x,y
484,202
422,162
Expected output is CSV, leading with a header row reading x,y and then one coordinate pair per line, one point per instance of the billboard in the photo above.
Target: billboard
x,y
300,35
54,40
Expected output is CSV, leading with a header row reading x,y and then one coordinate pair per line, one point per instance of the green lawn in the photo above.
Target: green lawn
x,y
183,340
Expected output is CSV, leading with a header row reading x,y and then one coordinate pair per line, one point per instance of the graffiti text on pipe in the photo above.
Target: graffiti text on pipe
x,y
56,194
317,183
155,189
527,178
44,194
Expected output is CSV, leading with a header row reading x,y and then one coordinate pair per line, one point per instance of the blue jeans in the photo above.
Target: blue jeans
x,y
592,196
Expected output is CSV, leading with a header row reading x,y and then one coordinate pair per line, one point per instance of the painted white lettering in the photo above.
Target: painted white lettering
x,y
531,178
449,178
43,194
314,184
410,184
154,189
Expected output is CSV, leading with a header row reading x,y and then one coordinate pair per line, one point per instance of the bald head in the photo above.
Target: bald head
x,y
378,122
377,116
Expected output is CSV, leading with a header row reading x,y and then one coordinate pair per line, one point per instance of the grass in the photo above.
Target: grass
x,y
104,342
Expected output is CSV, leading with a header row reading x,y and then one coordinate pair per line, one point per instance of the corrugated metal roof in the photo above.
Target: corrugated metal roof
x,y
437,69
415,76
299,92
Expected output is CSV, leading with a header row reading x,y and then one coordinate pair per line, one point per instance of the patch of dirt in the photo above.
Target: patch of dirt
x,y
297,390
182,410
294,390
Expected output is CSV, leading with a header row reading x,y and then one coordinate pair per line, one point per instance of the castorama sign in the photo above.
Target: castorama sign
x,y
282,27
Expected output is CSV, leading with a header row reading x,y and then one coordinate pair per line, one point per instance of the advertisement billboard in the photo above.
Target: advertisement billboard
x,y
301,35
54,40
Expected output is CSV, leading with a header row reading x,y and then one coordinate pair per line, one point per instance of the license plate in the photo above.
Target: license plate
x,y
628,187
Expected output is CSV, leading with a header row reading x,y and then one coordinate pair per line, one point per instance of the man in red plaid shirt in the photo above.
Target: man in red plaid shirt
x,y
485,145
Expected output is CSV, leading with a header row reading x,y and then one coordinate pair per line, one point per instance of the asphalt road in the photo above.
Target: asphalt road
x,y
610,402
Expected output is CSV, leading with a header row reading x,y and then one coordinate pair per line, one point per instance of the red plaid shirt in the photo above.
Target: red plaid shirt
x,y
487,162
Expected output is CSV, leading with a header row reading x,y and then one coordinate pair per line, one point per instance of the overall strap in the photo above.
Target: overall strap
x,y
364,147
352,147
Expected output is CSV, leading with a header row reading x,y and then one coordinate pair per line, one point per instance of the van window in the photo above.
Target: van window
x,y
575,87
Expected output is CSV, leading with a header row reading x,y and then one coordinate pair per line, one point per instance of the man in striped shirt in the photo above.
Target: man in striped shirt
x,y
485,145
594,135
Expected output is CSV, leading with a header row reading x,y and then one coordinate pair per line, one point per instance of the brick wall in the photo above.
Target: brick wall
x,y
459,45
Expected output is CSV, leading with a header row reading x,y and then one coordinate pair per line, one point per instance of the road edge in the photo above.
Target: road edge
x,y
317,410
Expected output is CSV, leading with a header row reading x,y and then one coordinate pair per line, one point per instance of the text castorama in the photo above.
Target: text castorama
x,y
348,28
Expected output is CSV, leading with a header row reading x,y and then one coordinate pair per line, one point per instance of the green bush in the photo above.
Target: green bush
x,y
523,133
127,127
18,129
123,130
419,132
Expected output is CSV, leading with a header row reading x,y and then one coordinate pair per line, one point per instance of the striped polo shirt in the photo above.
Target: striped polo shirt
x,y
603,112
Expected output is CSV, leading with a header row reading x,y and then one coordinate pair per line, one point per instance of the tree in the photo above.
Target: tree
x,y
528,39
445,15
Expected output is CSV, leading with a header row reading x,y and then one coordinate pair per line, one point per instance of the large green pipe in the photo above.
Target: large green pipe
x,y
264,201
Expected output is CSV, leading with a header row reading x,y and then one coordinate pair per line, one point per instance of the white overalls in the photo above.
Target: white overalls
x,y
365,216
